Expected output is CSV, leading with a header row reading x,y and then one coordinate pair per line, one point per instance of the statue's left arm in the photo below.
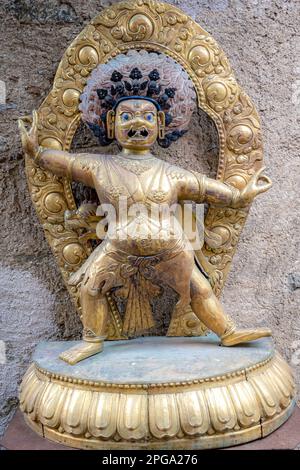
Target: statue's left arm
x,y
197,187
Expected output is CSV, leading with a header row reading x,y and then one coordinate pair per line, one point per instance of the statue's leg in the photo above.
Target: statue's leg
x,y
206,305
95,310
210,311
94,318
176,273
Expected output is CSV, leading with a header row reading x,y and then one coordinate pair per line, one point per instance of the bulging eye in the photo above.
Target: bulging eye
x,y
126,117
149,117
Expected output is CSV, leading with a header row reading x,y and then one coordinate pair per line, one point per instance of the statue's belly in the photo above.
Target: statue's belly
x,y
145,237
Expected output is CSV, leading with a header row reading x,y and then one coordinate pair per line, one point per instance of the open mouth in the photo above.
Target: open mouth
x,y
138,134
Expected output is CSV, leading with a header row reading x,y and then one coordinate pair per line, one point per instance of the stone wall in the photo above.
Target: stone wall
x,y
261,39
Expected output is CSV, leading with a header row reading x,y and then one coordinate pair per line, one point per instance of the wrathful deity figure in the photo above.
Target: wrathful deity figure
x,y
138,99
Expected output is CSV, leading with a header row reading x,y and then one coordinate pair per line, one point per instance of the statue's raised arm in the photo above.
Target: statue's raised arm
x,y
74,166
197,187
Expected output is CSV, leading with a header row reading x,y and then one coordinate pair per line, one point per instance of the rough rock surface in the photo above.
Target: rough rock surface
x,y
261,39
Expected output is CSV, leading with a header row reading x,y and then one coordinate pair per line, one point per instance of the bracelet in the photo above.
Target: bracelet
x,y
235,199
69,168
202,184
235,196
37,156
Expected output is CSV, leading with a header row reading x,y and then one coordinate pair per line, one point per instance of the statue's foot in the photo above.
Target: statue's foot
x,y
243,336
81,351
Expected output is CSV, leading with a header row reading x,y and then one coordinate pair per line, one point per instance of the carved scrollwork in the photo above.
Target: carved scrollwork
x,y
222,232
86,55
220,93
206,57
242,126
241,167
48,195
66,100
221,236
66,246
139,28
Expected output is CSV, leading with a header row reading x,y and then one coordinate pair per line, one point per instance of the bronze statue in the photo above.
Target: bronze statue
x,y
135,108
135,75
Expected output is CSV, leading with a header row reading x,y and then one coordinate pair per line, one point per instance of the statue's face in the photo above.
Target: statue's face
x,y
136,124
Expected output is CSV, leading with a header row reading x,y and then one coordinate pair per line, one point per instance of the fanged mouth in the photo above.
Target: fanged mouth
x,y
141,133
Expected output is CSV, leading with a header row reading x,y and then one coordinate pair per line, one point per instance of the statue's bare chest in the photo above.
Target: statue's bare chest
x,y
137,182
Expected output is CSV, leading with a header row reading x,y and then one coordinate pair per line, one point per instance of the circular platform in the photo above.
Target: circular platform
x,y
158,393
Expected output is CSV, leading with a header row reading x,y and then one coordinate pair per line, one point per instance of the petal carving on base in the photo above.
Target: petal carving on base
x,y
205,409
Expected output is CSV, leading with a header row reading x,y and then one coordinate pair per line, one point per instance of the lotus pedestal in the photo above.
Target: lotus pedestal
x,y
158,393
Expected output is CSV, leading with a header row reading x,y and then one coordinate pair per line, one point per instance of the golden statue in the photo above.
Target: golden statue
x,y
139,94
131,255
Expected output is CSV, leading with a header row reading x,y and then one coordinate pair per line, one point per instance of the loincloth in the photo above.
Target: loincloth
x,y
135,278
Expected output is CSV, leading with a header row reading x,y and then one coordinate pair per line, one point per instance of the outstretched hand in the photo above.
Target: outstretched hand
x,y
257,184
29,138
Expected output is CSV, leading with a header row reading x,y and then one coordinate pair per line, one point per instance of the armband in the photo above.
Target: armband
x,y
202,184
37,156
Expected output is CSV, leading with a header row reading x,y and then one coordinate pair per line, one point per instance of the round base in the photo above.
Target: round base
x,y
158,393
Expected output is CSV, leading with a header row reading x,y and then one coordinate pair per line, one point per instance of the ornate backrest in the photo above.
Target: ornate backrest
x,y
155,26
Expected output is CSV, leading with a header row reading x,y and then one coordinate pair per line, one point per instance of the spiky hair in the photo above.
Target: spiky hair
x,y
143,74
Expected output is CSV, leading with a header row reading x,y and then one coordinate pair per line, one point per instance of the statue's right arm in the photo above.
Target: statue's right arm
x,y
75,166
